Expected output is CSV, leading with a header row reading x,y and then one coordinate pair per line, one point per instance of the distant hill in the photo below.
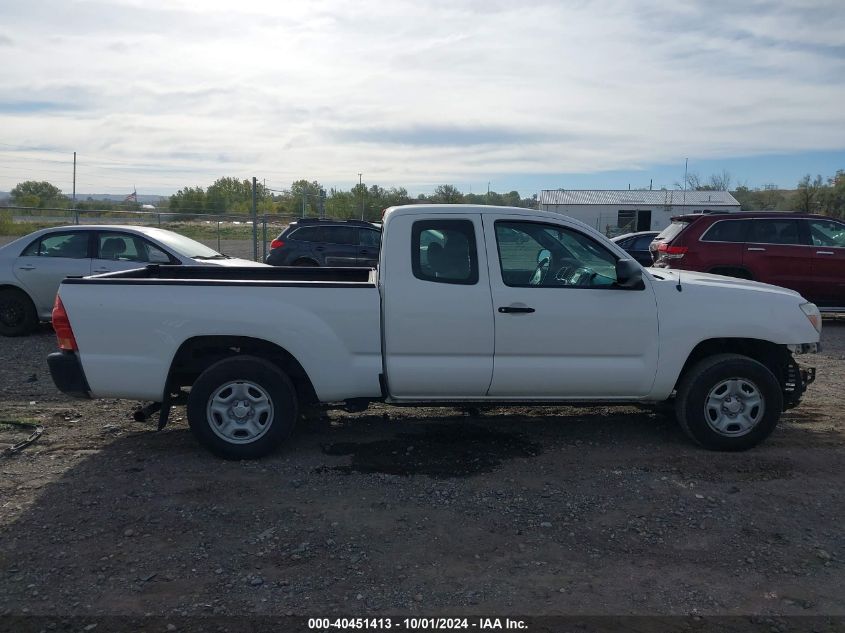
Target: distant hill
x,y
154,199
142,198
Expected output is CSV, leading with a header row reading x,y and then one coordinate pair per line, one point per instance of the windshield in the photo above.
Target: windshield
x,y
185,246
671,231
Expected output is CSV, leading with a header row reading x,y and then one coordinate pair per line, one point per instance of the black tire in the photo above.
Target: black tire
x,y
17,313
706,375
306,262
253,371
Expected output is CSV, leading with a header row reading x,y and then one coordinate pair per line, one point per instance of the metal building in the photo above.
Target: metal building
x,y
614,212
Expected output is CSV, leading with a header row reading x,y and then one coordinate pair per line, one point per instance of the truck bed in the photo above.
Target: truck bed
x,y
215,275
129,325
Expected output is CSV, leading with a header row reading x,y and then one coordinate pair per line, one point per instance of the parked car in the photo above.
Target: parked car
x,y
470,304
313,242
32,266
803,252
637,245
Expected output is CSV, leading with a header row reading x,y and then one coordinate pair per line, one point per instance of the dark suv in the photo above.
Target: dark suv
x,y
313,242
798,251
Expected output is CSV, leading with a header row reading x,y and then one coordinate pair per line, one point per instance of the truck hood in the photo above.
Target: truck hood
x,y
716,281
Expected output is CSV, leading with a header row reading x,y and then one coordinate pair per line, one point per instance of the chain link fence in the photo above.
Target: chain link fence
x,y
238,235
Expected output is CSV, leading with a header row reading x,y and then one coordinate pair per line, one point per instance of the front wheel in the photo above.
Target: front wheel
x,y
242,407
729,402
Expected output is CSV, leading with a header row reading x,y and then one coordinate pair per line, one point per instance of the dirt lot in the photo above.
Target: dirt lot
x,y
535,511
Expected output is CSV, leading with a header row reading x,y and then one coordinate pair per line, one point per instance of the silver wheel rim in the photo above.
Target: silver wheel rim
x,y
240,412
734,407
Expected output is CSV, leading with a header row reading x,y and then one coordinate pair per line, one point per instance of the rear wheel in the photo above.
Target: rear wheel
x,y
242,407
17,313
729,402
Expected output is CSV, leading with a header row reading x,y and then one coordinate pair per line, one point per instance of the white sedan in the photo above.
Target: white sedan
x,y
32,267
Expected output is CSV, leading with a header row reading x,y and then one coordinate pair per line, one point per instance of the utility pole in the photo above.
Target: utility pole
x,y
254,221
488,192
686,164
75,213
361,191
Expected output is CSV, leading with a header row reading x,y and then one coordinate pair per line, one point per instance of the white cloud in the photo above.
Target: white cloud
x,y
169,94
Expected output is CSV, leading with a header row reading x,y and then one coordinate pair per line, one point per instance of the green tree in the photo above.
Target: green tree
x,y
832,197
34,193
807,195
307,194
189,200
447,194
231,195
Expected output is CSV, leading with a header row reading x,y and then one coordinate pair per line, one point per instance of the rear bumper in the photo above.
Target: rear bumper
x,y
67,374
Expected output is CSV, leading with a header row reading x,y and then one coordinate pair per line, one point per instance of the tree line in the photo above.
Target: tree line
x,y
825,196
231,195
303,197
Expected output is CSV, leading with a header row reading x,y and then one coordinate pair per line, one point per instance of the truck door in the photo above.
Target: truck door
x,y
437,311
563,328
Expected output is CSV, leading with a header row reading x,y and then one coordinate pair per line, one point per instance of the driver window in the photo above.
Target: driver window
x,y
535,254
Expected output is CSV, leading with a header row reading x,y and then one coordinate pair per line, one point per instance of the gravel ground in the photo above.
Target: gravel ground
x,y
402,511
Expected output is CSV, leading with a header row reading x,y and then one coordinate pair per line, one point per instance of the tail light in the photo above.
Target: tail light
x,y
276,244
61,325
671,252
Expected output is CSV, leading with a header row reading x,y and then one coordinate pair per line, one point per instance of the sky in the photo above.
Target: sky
x,y
522,95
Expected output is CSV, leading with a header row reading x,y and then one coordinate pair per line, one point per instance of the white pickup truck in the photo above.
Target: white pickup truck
x,y
470,305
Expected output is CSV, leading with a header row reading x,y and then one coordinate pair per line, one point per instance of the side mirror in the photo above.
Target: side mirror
x,y
629,275
543,254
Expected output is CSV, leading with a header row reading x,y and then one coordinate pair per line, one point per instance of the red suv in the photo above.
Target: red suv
x,y
798,251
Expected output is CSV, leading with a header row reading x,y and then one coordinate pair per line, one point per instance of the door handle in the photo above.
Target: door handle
x,y
516,310
102,270
319,248
824,253
756,249
26,267
364,252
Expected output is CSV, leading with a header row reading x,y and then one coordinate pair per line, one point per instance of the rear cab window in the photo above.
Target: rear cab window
x,y
444,251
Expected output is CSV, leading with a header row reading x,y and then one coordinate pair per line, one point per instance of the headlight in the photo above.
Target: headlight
x,y
813,315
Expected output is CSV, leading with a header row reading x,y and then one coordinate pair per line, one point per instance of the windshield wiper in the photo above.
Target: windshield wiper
x,y
211,257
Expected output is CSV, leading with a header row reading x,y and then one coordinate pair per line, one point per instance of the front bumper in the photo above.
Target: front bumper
x,y
797,380
68,375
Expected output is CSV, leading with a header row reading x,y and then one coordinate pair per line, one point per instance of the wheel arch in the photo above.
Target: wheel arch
x,y
196,354
5,285
774,356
